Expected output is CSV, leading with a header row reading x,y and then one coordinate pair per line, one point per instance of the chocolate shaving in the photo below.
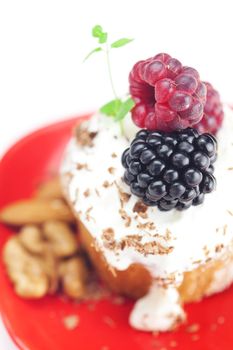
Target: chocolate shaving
x,y
149,248
81,166
139,207
106,184
224,230
88,216
218,248
108,238
111,170
97,192
134,241
84,137
146,226
86,193
125,217
124,196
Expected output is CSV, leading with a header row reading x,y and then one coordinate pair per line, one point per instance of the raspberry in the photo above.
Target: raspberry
x,y
167,95
213,112
171,170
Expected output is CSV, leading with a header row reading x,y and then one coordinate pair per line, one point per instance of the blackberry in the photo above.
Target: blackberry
x,y
171,170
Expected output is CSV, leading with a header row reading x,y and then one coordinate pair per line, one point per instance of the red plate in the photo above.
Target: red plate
x,y
38,325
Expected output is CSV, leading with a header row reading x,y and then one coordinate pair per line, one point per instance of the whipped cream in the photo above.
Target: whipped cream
x,y
158,310
169,243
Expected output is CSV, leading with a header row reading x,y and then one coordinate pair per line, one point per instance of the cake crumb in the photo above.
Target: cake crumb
x,y
155,334
195,337
230,212
91,307
118,300
230,168
109,322
221,320
71,322
193,328
173,344
213,327
114,155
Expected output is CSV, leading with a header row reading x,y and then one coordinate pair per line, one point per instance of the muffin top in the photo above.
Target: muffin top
x,y
127,230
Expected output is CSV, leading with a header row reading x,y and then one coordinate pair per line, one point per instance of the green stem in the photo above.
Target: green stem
x,y
122,127
110,72
121,123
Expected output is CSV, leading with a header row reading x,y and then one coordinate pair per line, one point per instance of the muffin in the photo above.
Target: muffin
x,y
162,249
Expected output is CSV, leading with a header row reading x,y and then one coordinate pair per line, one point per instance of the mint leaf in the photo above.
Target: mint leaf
x,y
103,38
97,49
121,42
125,108
97,31
111,108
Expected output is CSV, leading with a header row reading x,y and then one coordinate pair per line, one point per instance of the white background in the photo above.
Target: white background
x,y
42,45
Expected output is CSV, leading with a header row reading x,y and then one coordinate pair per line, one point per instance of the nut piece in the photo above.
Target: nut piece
x,y
50,266
31,238
61,238
50,190
74,275
35,211
26,272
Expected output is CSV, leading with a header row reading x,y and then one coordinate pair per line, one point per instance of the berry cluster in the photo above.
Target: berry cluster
x,y
213,112
170,170
168,96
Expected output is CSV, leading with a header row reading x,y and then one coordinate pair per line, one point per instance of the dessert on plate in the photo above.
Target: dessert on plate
x,y
153,195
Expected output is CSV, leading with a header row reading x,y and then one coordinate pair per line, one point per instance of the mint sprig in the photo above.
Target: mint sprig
x,y
121,42
97,49
117,108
